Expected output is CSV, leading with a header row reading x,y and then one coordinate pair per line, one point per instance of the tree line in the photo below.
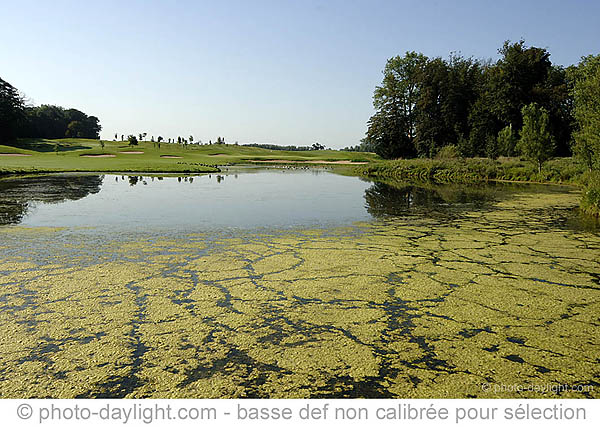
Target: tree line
x,y
314,147
480,107
141,137
20,120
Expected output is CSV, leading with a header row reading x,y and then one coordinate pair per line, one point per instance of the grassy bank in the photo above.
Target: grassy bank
x,y
559,171
84,155
590,202
88,155
562,170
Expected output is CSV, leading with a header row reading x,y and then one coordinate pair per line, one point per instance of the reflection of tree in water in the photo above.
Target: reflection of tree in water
x,y
399,199
16,194
134,180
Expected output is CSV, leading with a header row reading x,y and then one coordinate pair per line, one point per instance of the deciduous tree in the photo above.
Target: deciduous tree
x,y
586,96
391,130
12,111
536,142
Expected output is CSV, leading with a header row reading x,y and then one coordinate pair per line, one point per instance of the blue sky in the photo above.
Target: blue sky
x,y
283,72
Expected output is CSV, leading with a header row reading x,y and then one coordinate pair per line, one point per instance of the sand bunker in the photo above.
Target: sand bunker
x,y
218,155
164,156
97,155
322,162
131,152
14,154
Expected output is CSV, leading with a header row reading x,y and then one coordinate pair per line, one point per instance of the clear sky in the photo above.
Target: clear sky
x,y
283,72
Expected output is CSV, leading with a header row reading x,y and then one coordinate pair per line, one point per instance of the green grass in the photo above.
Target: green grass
x,y
43,156
560,170
590,202
66,155
564,170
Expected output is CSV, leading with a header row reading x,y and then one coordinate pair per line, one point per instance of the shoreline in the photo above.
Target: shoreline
x,y
152,171
350,172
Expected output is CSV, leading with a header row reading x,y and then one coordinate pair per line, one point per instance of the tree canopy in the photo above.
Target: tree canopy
x,y
586,95
17,120
536,143
424,104
12,111
51,121
392,128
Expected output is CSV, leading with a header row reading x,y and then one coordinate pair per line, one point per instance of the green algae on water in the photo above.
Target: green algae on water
x,y
398,308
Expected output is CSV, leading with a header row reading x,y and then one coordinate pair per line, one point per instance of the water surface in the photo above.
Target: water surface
x,y
322,286
238,198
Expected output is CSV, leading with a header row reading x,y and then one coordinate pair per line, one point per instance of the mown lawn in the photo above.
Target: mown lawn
x,y
42,155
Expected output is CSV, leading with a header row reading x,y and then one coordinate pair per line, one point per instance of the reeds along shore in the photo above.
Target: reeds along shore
x,y
557,171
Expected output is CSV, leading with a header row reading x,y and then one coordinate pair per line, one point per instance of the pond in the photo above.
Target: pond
x,y
243,197
239,198
290,282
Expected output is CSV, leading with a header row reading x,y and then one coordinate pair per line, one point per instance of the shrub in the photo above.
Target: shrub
x,y
590,203
448,152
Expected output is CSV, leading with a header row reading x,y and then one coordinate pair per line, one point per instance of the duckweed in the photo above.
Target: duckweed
x,y
402,307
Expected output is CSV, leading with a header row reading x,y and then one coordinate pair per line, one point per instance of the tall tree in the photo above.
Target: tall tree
x,y
536,142
553,94
522,72
585,79
448,91
431,127
484,123
12,111
521,76
464,77
392,128
51,121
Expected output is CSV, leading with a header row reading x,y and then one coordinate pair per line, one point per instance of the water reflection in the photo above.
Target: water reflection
x,y
241,197
17,194
394,199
